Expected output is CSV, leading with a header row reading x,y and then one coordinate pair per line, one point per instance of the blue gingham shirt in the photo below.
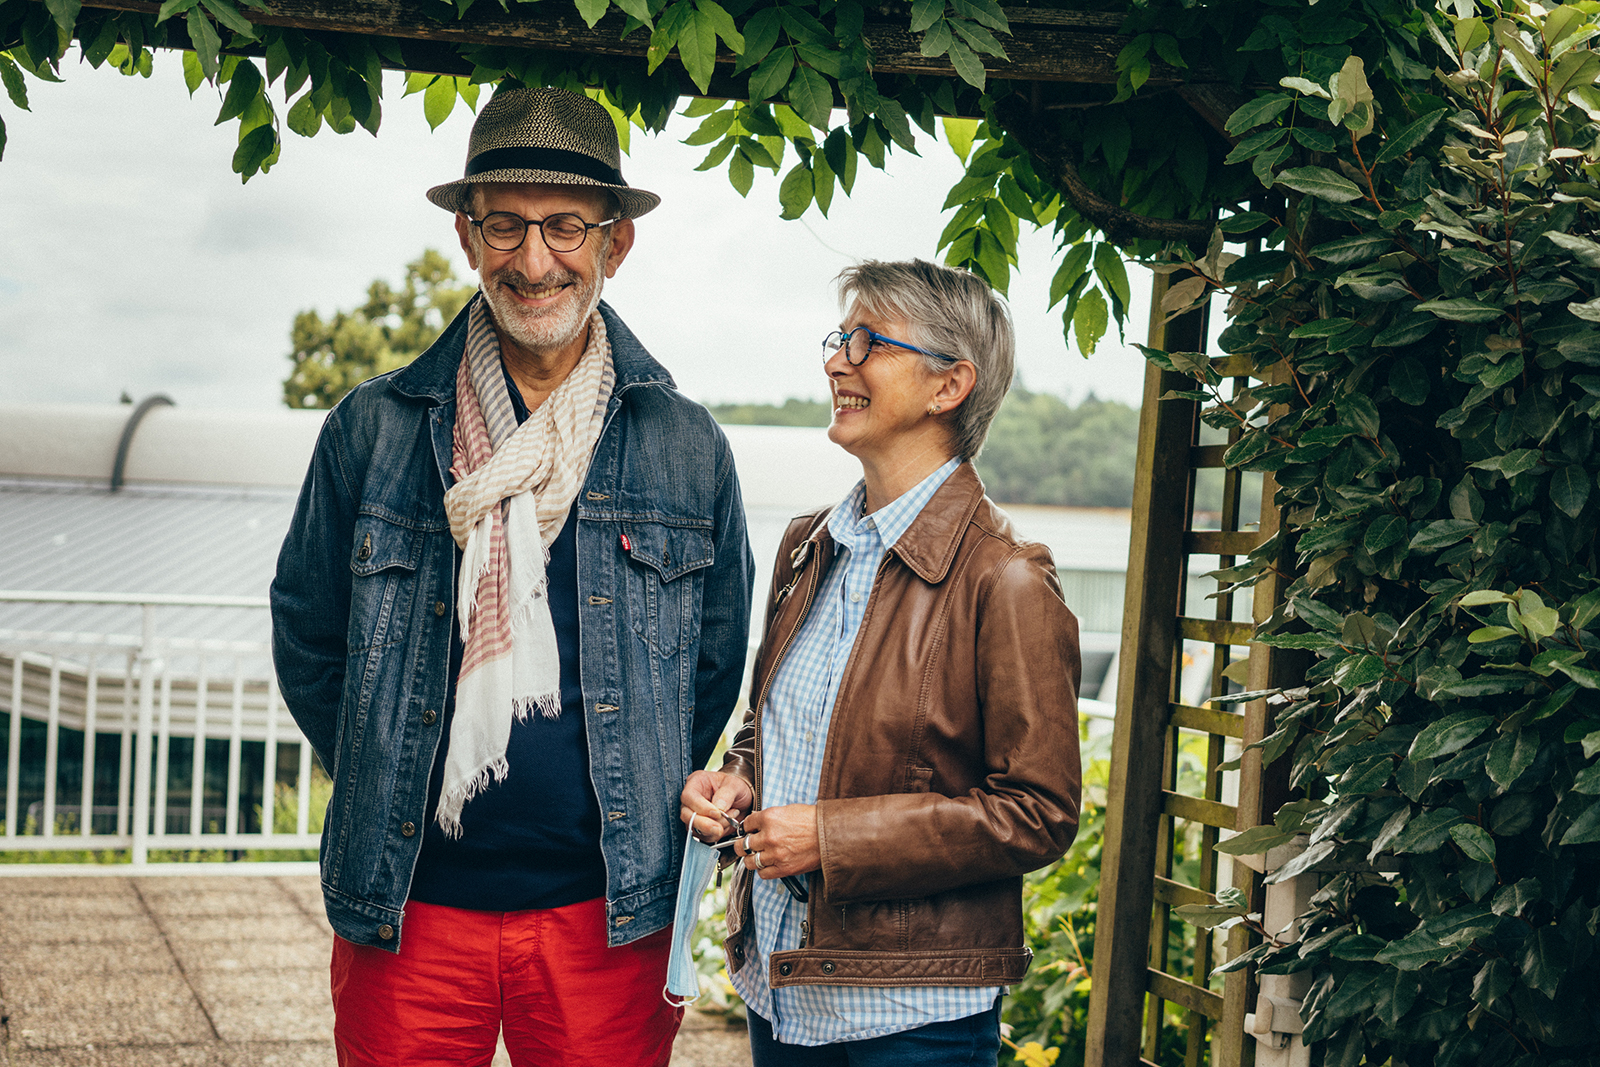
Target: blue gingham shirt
x,y
794,733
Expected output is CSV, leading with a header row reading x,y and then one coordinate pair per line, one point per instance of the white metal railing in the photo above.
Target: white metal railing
x,y
143,693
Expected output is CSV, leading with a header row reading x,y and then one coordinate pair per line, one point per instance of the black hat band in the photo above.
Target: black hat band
x,y
549,159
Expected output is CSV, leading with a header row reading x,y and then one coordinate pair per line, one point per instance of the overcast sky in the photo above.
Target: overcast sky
x,y
133,258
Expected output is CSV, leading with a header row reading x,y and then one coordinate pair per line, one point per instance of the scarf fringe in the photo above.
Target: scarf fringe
x,y
546,704
450,805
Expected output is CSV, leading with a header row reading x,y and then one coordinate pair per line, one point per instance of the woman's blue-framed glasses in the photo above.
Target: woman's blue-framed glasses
x,y
857,345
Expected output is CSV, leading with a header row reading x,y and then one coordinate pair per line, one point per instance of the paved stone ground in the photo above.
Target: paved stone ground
x,y
192,972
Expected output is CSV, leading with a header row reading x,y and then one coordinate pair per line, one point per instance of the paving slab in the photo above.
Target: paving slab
x,y
191,971
249,1006
143,1009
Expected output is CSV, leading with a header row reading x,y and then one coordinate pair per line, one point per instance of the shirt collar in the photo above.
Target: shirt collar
x,y
847,524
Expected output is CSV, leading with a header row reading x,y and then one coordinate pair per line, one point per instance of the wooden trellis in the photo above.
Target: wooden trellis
x,y
1159,835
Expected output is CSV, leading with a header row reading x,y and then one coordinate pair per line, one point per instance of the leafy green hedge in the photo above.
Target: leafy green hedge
x,y
1422,314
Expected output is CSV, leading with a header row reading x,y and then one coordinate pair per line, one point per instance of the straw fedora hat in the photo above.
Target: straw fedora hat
x,y
550,136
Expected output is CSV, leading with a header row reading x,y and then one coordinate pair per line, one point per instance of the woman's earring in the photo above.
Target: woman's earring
x,y
933,409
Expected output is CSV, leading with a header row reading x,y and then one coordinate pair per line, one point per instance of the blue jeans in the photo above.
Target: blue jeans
x,y
970,1042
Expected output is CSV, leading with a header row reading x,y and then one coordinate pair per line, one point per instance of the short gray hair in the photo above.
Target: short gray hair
x,y
952,312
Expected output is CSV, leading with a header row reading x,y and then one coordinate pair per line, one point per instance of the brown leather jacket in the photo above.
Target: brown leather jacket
x,y
951,766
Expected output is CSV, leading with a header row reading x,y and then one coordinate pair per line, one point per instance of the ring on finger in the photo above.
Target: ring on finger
x,y
747,847
759,864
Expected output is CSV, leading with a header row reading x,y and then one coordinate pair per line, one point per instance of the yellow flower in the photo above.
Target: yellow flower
x,y
1035,1055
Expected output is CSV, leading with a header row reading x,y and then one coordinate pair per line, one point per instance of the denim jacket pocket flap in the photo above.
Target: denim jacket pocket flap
x,y
381,545
671,551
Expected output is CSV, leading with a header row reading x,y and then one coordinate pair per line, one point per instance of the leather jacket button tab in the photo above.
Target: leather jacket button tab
x,y
439,609
785,969
429,717
828,967
738,952
408,829
386,932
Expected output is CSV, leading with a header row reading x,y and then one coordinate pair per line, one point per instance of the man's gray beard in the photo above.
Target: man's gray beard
x,y
547,330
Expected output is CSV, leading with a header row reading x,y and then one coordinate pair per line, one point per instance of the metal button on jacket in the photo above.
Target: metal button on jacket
x,y
439,609
785,968
408,829
828,967
429,717
386,932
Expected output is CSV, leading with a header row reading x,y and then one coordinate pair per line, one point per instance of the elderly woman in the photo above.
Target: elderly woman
x,y
911,748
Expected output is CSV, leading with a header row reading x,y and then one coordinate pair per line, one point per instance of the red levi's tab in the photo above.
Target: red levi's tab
x,y
627,545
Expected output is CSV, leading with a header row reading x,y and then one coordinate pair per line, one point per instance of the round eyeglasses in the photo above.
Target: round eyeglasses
x,y
859,343
504,231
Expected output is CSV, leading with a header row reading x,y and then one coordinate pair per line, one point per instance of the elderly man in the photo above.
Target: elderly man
x,y
511,617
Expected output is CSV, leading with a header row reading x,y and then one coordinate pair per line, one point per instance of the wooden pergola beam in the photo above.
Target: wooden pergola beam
x,y
1046,45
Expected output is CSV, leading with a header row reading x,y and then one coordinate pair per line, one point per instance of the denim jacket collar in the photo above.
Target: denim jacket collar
x,y
432,376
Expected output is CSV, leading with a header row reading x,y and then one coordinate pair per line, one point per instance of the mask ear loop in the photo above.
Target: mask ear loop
x,y
690,842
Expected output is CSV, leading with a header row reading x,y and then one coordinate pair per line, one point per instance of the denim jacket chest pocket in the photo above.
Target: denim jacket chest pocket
x,y
384,557
666,568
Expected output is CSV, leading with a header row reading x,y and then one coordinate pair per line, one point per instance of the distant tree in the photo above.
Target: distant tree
x,y
792,412
1042,450
390,330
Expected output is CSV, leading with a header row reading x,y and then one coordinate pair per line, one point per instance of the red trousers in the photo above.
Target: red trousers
x,y
545,977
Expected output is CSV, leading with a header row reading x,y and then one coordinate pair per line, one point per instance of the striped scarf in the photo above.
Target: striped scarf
x,y
514,487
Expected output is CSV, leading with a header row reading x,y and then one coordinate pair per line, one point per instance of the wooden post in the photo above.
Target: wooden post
x,y
1144,691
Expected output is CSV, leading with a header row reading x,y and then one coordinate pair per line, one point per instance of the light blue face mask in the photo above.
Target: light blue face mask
x,y
699,863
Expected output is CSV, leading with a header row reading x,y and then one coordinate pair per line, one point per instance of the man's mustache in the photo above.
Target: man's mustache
x,y
514,279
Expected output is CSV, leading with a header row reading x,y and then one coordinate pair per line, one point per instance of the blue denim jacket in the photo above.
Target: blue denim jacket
x,y
365,594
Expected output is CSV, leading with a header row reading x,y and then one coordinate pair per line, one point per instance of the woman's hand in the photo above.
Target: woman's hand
x,y
782,839
707,796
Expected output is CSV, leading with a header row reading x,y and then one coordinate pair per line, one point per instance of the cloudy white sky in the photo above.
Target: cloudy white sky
x,y
133,259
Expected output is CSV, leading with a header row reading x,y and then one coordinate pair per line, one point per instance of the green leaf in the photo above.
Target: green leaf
x,y
1475,841
1321,183
1441,533
193,76
1261,110
772,75
439,99
796,191
811,95
243,88
1410,137
1108,267
16,88
65,12
1462,309
591,11
1089,320
229,16
1510,755
304,117
1357,671
1255,841
1546,955
254,150
697,47
925,13
959,134
967,65
1407,328
639,10
722,23
1356,249
1510,464
741,173
173,7
1569,489
207,43
1583,250
1449,734
1073,266
1409,381
936,42
1386,531
1589,679
1485,634
1208,915
1480,597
